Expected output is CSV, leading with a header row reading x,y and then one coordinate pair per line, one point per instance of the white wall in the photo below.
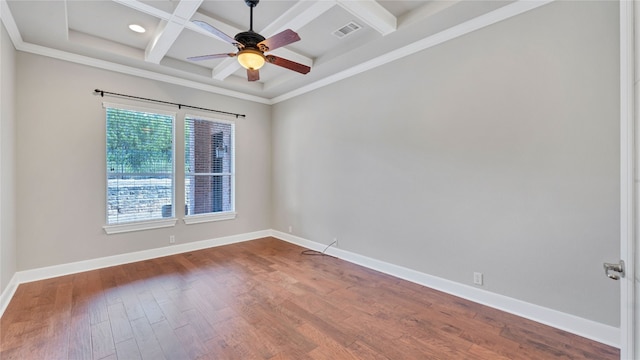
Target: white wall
x,y
497,152
7,163
60,144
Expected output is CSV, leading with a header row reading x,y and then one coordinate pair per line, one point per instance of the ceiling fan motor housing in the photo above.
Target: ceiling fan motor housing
x,y
249,39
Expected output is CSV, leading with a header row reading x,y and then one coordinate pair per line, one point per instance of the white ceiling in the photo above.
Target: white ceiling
x,y
96,33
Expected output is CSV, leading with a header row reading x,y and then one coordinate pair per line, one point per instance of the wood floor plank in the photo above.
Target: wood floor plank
x,y
263,299
102,340
219,349
202,327
239,339
59,322
282,333
169,343
97,304
80,296
208,296
190,340
173,314
80,337
320,306
126,287
481,352
151,308
131,302
109,285
120,323
128,349
362,351
331,330
146,340
332,347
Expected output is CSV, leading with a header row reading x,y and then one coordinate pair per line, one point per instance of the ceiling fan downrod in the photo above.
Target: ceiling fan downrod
x,y
251,4
250,39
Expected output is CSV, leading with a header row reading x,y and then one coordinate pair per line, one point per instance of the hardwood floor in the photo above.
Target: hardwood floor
x,y
263,300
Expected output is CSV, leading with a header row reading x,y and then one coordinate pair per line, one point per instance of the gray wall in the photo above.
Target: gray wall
x,y
7,163
60,144
496,152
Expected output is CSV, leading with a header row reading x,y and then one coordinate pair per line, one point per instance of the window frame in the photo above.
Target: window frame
x,y
219,215
150,223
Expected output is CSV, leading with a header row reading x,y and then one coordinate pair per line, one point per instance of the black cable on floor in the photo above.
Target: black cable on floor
x,y
316,252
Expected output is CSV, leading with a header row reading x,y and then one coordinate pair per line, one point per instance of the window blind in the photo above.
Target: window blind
x,y
140,168
209,165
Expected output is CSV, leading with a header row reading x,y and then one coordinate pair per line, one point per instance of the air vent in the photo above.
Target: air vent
x,y
347,29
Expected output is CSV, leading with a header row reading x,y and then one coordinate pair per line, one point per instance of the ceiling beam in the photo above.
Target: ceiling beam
x,y
225,69
299,15
10,24
227,66
430,8
296,17
147,9
372,13
167,34
163,15
222,26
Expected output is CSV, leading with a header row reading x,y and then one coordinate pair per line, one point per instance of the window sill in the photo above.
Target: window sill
x,y
197,219
137,226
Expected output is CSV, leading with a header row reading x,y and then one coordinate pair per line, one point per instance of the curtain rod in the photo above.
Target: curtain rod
x,y
180,106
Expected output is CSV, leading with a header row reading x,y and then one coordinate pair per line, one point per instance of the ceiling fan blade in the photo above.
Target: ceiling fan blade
x,y
253,75
219,34
288,64
209,57
279,40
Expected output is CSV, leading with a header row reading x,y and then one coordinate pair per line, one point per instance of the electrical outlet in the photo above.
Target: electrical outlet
x,y
172,239
477,278
290,229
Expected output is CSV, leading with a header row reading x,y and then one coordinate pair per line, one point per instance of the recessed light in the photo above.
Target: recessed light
x,y
137,28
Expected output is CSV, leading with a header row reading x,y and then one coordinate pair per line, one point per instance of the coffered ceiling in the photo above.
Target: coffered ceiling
x,y
96,33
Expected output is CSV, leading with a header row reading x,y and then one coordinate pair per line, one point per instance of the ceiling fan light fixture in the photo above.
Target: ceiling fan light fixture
x,y
251,59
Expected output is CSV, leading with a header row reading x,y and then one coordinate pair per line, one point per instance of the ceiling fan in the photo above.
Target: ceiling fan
x,y
252,46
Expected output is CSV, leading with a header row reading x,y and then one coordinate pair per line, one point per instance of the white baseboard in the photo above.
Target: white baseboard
x,y
8,293
93,264
86,265
589,329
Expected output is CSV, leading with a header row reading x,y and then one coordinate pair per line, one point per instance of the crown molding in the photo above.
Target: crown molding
x,y
451,33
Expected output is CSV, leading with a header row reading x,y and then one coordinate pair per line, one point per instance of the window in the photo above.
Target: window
x,y
140,170
209,169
